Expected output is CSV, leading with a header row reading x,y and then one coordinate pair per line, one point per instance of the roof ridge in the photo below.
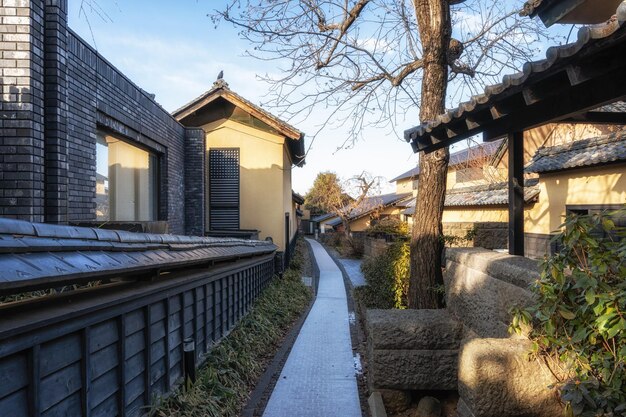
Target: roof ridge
x,y
530,182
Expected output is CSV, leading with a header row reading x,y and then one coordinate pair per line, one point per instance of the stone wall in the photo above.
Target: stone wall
x,y
482,286
57,93
488,235
373,247
466,346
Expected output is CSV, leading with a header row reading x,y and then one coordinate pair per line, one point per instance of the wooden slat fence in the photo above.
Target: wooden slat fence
x,y
112,351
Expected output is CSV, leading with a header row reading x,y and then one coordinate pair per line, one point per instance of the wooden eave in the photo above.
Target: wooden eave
x,y
272,121
571,11
573,80
293,137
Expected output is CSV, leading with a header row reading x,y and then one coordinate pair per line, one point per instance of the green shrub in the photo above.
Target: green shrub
x,y
387,278
579,319
389,226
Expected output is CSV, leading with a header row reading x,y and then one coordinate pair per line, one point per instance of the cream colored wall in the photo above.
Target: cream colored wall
x,y
129,171
474,215
404,186
262,179
288,204
363,223
591,186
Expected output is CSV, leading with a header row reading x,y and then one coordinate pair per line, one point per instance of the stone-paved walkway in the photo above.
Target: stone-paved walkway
x,y
318,379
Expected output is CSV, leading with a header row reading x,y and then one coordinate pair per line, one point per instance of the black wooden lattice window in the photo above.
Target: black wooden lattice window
x,y
224,189
618,217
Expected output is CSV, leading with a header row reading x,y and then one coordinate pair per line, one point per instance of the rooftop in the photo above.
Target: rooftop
x,y
482,150
570,11
580,153
483,195
35,255
220,89
371,204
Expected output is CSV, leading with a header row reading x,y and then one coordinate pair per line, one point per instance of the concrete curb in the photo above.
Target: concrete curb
x,y
352,309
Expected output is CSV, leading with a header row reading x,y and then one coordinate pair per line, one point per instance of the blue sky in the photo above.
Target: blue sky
x,y
172,49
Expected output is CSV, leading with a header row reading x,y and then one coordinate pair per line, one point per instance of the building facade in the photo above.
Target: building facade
x,y
250,154
81,143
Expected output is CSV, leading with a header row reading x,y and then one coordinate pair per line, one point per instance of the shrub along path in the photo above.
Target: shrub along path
x,y
318,378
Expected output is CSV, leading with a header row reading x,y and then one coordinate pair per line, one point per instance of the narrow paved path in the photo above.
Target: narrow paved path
x,y
318,379
353,269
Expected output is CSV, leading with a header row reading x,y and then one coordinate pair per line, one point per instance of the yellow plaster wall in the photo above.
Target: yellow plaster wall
x,y
590,186
264,194
473,215
405,186
288,205
363,223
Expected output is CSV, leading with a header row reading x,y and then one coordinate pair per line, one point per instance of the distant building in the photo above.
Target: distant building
x,y
366,214
570,168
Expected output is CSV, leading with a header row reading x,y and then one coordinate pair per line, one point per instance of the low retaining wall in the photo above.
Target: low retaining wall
x,y
482,286
373,247
488,235
466,347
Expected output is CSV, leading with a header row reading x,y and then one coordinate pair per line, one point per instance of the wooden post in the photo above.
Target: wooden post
x,y
516,193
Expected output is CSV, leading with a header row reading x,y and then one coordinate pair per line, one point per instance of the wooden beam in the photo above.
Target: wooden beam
x,y
578,99
598,117
516,193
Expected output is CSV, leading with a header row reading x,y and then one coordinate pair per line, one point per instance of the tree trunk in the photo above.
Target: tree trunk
x,y
433,18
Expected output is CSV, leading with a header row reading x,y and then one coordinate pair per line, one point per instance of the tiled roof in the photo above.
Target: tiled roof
x,y
556,58
33,254
220,89
484,195
323,217
297,197
481,150
374,203
580,153
617,107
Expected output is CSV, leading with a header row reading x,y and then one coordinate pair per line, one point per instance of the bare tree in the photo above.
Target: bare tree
x,y
363,189
347,198
372,61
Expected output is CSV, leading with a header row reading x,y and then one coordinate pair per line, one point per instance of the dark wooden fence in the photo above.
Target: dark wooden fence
x,y
111,350
290,250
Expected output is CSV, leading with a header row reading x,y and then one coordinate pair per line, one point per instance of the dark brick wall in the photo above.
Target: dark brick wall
x,y
21,110
55,112
82,93
194,182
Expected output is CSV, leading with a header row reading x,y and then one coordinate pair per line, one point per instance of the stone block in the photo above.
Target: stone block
x,y
413,369
496,378
413,329
396,401
515,270
482,286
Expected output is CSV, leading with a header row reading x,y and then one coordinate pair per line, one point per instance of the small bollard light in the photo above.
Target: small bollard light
x,y
189,362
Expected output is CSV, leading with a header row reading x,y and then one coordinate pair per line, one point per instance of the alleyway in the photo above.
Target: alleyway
x,y
318,378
